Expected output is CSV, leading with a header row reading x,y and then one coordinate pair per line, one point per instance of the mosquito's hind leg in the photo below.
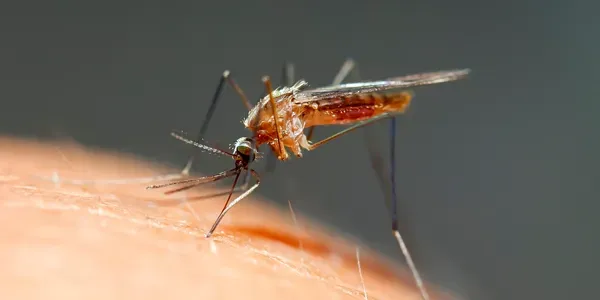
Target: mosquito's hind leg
x,y
349,67
239,198
308,146
393,104
225,77
387,179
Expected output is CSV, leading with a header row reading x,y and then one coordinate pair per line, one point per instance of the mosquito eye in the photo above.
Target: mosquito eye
x,y
244,150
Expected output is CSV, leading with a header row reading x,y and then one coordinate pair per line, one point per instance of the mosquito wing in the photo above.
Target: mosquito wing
x,y
344,90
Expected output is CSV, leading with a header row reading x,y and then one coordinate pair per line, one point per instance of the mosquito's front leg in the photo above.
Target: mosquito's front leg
x,y
282,154
225,77
287,79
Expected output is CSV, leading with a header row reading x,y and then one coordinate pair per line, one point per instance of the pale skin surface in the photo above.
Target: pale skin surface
x,y
61,240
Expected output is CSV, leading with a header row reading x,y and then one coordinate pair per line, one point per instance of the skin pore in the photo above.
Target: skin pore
x,y
114,240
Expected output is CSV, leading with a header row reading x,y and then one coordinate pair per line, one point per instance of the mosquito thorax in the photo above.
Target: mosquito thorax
x,y
244,147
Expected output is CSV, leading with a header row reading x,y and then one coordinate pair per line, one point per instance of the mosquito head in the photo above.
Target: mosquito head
x,y
244,147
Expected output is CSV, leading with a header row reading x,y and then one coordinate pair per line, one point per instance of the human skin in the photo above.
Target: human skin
x,y
114,240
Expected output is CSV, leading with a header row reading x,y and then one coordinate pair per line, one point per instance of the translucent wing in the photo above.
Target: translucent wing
x,y
348,89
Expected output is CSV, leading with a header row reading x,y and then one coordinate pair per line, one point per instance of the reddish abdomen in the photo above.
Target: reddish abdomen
x,y
345,110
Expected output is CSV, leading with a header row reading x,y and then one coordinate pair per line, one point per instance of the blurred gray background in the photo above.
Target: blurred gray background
x,y
495,173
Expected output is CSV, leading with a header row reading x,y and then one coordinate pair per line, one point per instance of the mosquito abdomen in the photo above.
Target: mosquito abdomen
x,y
355,108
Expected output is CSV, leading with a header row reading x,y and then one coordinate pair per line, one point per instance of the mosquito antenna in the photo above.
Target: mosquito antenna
x,y
202,146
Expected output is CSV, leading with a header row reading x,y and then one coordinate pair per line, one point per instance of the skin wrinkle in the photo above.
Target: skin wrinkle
x,y
110,214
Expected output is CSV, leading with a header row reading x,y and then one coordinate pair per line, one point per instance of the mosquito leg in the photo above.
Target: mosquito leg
x,y
226,77
287,74
287,79
313,146
393,204
347,68
411,266
387,179
394,214
234,202
282,152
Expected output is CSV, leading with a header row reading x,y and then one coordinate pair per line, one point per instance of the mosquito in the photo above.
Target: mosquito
x,y
280,118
